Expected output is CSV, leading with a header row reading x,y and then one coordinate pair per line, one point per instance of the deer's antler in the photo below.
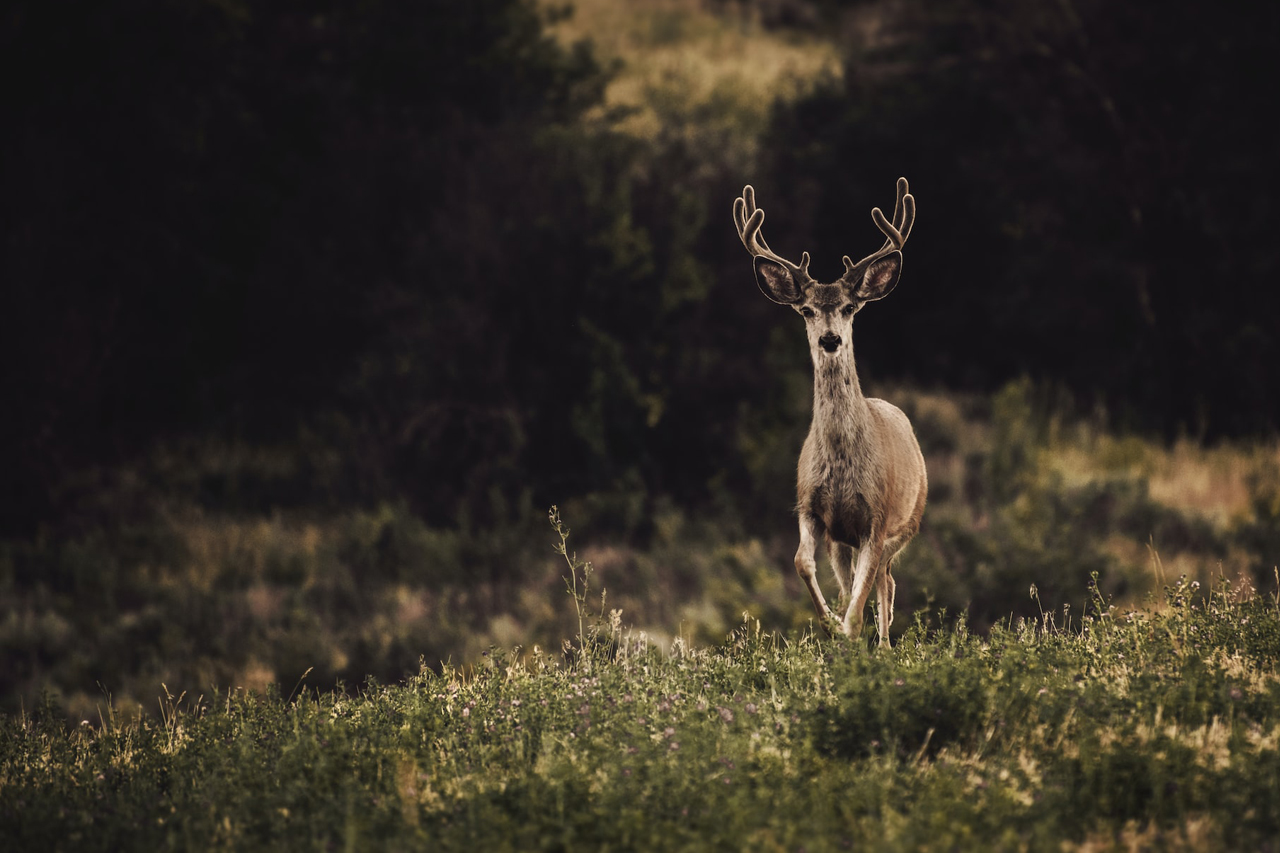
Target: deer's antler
x,y
749,218
896,232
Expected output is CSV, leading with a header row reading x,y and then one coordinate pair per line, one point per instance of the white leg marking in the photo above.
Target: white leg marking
x,y
863,575
842,567
884,603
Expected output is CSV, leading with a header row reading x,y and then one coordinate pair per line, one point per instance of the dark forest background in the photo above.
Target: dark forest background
x,y
303,257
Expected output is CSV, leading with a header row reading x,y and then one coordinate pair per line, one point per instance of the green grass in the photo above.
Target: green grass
x,y
1156,728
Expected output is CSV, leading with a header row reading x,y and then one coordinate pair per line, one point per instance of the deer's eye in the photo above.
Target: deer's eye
x,y
807,312
847,310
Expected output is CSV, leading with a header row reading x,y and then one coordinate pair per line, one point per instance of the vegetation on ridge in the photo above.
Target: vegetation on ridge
x,y
1102,730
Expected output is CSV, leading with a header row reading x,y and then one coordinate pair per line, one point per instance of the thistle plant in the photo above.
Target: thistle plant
x,y
577,584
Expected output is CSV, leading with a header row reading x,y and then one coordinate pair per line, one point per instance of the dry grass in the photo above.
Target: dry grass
x,y
1215,483
245,547
1212,483
1225,488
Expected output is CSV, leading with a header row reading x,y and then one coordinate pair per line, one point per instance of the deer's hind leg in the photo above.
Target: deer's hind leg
x,y
842,567
886,589
865,574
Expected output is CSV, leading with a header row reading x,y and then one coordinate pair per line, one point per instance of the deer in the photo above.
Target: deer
x,y
861,483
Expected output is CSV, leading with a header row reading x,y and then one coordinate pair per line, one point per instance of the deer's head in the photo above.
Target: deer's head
x,y
827,309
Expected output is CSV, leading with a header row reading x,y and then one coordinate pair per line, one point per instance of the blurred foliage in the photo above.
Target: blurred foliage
x,y
387,240
1096,198
195,598
1006,519
414,246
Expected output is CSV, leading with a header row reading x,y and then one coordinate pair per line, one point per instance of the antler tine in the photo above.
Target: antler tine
x,y
904,210
748,218
896,232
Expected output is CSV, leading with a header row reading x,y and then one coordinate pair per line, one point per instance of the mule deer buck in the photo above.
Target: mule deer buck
x,y
861,483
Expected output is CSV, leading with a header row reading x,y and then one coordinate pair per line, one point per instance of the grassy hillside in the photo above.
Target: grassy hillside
x,y
1111,729
200,599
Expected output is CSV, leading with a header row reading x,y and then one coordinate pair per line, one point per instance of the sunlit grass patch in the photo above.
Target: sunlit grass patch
x,y
1147,727
1211,482
687,72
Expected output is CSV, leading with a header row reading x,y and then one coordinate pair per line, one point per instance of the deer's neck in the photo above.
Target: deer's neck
x,y
839,410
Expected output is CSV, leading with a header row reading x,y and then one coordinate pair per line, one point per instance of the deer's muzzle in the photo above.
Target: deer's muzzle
x,y
829,342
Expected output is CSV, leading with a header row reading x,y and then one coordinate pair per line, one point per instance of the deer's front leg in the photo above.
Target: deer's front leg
x,y
807,566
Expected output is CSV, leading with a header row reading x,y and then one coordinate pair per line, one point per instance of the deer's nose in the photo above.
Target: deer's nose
x,y
829,342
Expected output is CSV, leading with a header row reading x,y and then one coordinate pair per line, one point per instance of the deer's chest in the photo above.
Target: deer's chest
x,y
844,510
837,485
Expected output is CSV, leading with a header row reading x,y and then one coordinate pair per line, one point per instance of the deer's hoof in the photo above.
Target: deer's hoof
x,y
830,624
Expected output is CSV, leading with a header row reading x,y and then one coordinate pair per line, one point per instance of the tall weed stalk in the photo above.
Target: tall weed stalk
x,y
577,584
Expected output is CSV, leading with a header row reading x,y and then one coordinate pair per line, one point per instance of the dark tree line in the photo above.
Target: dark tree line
x,y
236,218
1098,198
398,236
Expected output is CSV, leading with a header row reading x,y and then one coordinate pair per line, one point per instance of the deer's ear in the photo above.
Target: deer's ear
x,y
879,278
777,282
